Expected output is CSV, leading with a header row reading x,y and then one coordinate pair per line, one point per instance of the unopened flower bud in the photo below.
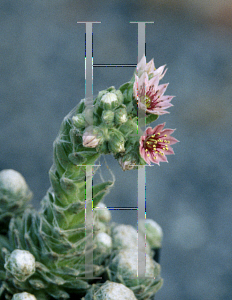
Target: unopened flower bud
x,y
103,214
108,117
126,237
23,296
103,242
88,113
91,137
100,226
13,187
125,266
116,141
111,100
79,121
120,116
21,264
110,291
154,233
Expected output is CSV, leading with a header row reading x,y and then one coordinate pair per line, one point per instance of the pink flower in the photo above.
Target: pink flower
x,y
149,68
155,144
150,95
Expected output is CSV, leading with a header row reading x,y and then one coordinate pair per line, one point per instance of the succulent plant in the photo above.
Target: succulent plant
x,y
14,197
43,255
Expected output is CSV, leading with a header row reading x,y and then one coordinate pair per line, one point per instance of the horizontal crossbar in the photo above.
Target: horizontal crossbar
x,y
114,65
116,208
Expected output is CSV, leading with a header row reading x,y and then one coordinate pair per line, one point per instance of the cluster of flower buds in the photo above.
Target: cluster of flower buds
x,y
110,123
99,124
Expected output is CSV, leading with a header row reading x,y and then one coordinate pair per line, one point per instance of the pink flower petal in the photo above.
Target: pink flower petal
x,y
146,158
154,81
157,111
167,131
149,131
159,71
142,63
135,87
143,80
165,105
159,127
169,151
142,153
155,161
150,67
172,140
167,98
161,89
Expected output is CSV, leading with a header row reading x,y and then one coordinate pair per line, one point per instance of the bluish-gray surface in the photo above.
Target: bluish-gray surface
x,y
42,79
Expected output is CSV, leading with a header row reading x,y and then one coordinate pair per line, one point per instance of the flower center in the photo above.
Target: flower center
x,y
147,101
154,143
150,143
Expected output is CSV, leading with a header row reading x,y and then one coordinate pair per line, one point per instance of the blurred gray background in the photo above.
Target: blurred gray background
x,y
43,78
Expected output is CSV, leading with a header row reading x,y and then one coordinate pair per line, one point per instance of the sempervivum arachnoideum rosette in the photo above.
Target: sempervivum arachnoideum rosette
x,y
53,239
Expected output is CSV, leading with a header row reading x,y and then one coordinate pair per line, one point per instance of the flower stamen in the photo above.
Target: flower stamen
x,y
151,145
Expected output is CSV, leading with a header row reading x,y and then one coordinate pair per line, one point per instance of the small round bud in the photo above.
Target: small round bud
x,y
154,233
126,237
21,264
103,242
91,137
108,117
103,214
23,296
109,101
120,116
100,226
110,291
125,266
88,113
13,186
116,141
79,121
14,197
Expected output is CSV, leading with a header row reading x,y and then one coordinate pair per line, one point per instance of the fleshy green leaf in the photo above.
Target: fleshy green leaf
x,y
151,118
